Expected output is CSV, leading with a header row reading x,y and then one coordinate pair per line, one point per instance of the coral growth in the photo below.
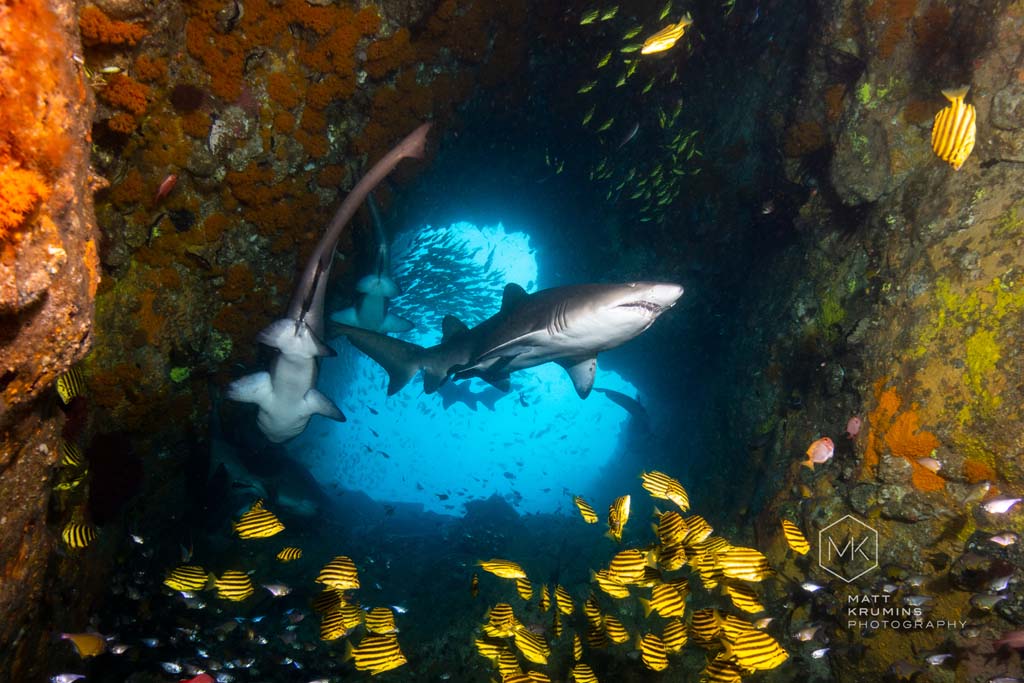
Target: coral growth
x,y
126,93
122,123
99,29
902,435
21,190
150,69
388,54
893,18
803,138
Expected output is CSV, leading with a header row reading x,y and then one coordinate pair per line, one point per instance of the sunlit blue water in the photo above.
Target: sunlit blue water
x,y
538,443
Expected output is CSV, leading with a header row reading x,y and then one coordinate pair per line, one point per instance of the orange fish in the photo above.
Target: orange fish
x,y
86,644
819,452
165,187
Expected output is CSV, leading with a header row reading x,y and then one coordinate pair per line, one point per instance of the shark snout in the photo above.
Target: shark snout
x,y
659,295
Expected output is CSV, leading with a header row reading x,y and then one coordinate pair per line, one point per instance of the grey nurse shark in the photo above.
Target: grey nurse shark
x,y
286,395
568,325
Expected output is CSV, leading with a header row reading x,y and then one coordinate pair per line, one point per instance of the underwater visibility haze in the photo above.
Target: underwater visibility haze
x,y
518,341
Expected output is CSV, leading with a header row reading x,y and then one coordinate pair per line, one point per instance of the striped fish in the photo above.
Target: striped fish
x,y
707,568
70,454
755,650
698,530
327,600
333,626
501,621
187,577
954,129
70,385
258,523
351,615
289,554
672,557
651,577
743,563
660,485
666,600
609,585
77,536
490,648
545,599
563,601
504,569
524,588
376,654
586,512
627,566
508,665
652,652
666,38
721,671
581,673
618,512
340,573
671,528
615,630
556,624
380,620
711,545
744,598
674,635
474,585
705,624
234,585
733,627
794,538
577,648
531,645
592,611
596,639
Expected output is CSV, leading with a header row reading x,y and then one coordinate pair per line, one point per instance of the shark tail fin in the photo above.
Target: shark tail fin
x,y
400,359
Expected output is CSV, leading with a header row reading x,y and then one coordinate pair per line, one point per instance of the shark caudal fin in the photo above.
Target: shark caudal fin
x,y
255,388
400,359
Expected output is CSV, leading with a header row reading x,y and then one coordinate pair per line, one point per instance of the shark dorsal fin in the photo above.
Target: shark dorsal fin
x,y
451,326
512,295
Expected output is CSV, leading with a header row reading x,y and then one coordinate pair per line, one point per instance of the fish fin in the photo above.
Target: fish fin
x,y
255,388
432,381
400,359
582,374
512,296
349,651
954,94
499,381
396,324
451,326
379,285
646,604
347,316
319,404
808,463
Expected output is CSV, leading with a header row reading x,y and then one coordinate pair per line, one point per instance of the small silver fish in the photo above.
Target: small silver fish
x,y
999,583
976,492
917,600
936,660
278,590
806,634
399,609
811,587
820,652
138,539
763,622
917,580
1004,539
890,588
986,602
171,667
930,464
150,642
998,506
119,649
66,678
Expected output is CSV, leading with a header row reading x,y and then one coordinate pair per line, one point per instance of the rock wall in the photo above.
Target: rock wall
x,y
48,278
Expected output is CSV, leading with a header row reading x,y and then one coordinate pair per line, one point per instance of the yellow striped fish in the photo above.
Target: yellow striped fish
x,y
711,545
380,620
532,646
505,569
954,129
474,585
596,639
794,538
187,577
556,624
744,598
78,536
508,665
627,566
672,557
340,574
333,625
70,385
490,648
707,568
615,630
524,588
577,648
618,512
545,598
592,612
755,650
666,600
706,625
652,652
586,512
258,523
327,600
733,627
289,554
671,528
71,454
651,577
609,585
563,601
590,17
376,654
698,530
721,671
660,485
581,673
743,563
234,585
351,615
666,38
501,621
73,483
674,635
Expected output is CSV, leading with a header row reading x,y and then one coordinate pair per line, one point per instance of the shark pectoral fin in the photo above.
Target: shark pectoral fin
x,y
346,317
319,404
322,349
582,374
499,382
256,388
512,296
432,381
451,326
396,323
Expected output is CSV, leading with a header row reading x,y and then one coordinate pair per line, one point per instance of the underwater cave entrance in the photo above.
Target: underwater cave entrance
x,y
532,445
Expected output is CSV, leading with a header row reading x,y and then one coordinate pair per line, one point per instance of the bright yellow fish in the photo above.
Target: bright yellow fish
x,y
954,129
666,38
